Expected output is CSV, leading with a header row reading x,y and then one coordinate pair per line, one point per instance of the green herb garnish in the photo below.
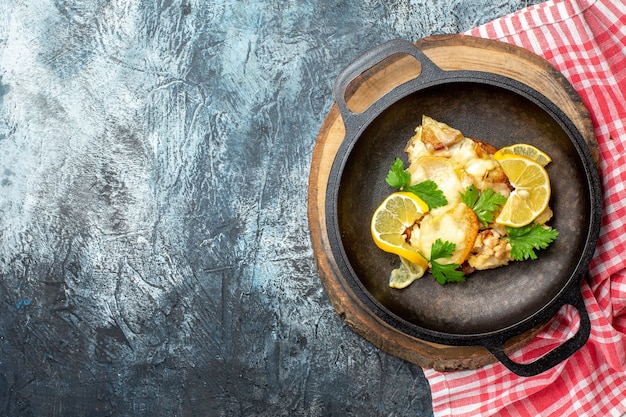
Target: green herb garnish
x,y
444,273
398,177
525,240
484,204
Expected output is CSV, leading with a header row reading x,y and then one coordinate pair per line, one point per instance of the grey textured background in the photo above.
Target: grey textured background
x,y
154,252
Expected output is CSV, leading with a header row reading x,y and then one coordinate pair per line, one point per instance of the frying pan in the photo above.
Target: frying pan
x,y
492,306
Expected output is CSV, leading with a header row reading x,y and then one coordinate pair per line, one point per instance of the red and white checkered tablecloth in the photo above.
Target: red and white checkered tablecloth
x,y
586,41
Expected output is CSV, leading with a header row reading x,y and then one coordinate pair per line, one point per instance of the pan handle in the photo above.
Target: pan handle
x,y
557,355
429,73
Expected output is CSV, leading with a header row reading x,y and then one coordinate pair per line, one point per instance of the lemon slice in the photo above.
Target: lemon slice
x,y
531,194
393,222
404,276
526,150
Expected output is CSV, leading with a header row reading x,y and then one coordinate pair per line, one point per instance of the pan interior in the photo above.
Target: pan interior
x,y
489,300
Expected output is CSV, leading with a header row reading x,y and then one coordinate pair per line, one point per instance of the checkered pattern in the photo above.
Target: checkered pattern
x,y
586,41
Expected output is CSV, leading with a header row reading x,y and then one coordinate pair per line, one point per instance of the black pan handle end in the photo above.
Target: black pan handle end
x,y
555,356
429,71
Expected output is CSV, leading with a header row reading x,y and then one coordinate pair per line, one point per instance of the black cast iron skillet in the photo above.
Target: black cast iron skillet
x,y
492,306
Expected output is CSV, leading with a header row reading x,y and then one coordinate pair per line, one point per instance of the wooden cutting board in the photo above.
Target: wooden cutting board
x,y
449,52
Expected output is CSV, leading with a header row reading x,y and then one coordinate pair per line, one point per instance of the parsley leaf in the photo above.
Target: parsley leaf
x,y
428,191
525,240
441,249
444,273
471,196
397,176
484,204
